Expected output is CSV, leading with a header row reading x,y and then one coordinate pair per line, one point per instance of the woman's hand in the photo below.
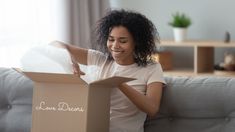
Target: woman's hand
x,y
59,44
76,68
75,65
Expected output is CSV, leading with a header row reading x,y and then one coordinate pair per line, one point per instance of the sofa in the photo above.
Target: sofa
x,y
189,104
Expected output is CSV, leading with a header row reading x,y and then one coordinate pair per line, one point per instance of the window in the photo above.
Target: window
x,y
27,23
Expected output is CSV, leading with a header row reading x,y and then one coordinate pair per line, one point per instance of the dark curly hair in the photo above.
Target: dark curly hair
x,y
142,30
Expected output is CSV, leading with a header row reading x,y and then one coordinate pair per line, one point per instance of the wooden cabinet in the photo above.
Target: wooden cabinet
x,y
203,58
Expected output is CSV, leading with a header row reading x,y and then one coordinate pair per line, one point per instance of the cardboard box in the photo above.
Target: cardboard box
x,y
66,103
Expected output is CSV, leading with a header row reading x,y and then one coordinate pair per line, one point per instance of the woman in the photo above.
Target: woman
x,y
127,41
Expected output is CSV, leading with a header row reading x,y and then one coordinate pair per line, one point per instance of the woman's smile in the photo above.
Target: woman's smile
x,y
121,45
117,52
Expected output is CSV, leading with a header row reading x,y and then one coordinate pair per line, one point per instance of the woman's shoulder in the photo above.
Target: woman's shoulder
x,y
150,68
153,65
96,57
96,53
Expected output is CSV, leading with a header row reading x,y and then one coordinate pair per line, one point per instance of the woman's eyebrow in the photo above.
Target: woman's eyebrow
x,y
110,36
122,37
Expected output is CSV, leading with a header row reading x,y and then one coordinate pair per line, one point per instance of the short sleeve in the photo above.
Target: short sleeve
x,y
155,74
95,58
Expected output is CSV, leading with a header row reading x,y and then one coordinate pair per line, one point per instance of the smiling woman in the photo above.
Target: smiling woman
x,y
127,41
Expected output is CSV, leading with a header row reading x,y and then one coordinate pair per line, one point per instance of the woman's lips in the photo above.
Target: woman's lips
x,y
117,52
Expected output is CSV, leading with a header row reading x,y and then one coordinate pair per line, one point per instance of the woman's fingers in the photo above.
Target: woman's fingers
x,y
59,44
76,69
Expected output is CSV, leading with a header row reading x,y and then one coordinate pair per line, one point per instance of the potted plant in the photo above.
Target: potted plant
x,y
180,23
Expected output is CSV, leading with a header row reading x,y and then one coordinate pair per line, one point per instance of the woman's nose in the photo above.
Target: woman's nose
x,y
116,44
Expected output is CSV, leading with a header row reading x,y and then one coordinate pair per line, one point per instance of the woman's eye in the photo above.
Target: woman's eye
x,y
123,41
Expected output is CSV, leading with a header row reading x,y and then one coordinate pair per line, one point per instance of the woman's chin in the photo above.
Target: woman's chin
x,y
117,59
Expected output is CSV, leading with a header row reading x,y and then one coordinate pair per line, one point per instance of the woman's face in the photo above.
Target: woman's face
x,y
121,45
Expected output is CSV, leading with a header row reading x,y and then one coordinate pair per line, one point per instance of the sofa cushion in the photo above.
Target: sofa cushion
x,y
15,101
200,104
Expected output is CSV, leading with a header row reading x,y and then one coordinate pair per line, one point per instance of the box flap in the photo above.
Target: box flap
x,y
52,77
112,81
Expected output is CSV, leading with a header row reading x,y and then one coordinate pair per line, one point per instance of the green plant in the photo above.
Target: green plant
x,y
180,20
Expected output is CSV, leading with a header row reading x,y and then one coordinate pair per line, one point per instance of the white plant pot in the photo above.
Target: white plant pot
x,y
180,34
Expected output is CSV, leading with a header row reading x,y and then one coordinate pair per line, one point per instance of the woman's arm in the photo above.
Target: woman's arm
x,y
77,54
148,103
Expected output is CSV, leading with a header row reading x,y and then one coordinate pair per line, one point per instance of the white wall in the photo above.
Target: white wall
x,y
211,18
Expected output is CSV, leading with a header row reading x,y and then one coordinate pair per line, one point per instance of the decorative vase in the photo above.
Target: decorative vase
x,y
180,34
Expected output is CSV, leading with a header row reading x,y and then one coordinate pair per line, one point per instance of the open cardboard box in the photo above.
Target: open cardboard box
x,y
66,103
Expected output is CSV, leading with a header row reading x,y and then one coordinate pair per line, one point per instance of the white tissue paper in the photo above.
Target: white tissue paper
x,y
50,59
46,58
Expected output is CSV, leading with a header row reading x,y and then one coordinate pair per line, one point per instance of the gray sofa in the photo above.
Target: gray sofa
x,y
201,104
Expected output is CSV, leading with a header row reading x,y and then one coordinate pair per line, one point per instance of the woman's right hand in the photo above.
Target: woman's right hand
x,y
76,68
59,44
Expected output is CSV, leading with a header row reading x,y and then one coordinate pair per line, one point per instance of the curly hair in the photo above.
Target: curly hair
x,y
142,30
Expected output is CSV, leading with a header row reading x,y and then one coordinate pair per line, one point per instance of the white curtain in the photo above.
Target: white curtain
x,y
27,23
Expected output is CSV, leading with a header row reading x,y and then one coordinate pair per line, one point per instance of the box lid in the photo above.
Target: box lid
x,y
52,77
71,78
